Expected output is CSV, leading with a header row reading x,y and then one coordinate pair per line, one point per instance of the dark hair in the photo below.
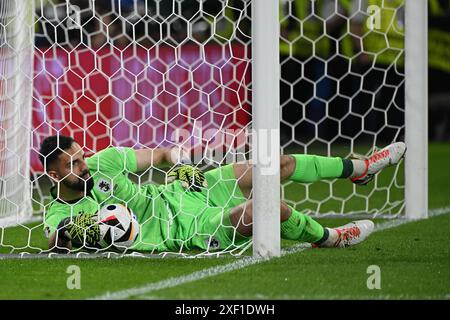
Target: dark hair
x,y
52,147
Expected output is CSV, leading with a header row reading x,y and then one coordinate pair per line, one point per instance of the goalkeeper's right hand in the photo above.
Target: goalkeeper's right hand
x,y
81,230
191,178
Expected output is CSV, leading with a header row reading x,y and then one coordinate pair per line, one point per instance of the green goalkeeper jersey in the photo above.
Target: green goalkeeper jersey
x,y
109,169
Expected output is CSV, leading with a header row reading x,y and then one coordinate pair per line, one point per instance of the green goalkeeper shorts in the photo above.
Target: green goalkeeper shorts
x,y
202,218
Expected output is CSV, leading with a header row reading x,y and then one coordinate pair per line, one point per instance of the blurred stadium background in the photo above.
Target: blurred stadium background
x,y
140,69
132,72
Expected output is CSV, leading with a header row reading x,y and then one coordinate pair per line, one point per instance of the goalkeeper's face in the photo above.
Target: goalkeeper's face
x,y
72,169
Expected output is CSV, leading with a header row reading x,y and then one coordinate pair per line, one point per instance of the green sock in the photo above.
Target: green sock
x,y
301,227
310,168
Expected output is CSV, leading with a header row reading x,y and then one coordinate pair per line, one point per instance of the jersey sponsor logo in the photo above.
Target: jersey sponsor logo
x,y
104,186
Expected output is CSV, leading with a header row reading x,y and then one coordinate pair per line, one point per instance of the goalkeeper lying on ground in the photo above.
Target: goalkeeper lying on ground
x,y
193,210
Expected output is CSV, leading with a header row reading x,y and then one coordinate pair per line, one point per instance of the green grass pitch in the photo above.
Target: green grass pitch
x,y
413,259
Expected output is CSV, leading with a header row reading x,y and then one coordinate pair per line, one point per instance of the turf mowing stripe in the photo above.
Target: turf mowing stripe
x,y
239,264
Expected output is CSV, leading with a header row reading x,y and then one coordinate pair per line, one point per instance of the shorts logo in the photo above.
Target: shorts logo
x,y
104,186
213,244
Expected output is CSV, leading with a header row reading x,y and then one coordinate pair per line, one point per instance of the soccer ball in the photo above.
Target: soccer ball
x,y
119,227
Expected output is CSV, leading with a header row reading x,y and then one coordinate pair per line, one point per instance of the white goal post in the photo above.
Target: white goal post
x,y
292,76
16,91
266,126
416,112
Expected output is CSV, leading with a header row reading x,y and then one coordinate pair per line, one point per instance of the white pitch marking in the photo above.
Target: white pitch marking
x,y
240,264
195,276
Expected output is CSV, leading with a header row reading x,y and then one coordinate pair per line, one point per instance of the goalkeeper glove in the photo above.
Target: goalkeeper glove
x,y
192,178
81,230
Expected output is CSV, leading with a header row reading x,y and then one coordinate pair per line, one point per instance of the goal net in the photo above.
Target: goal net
x,y
149,74
342,93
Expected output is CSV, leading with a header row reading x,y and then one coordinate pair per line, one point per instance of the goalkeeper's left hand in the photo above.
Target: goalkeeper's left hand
x,y
192,178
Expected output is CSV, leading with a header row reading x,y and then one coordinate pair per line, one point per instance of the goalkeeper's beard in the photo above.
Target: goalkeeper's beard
x,y
80,184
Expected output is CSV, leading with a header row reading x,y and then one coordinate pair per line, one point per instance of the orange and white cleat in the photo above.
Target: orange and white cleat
x,y
348,235
388,156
